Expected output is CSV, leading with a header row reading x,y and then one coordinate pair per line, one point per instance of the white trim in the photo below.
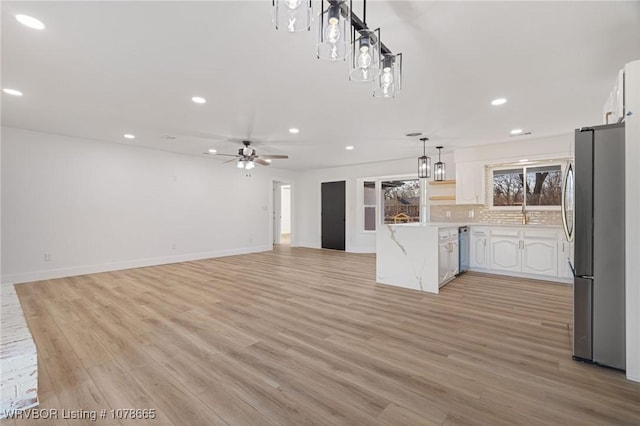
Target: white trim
x,y
633,378
129,264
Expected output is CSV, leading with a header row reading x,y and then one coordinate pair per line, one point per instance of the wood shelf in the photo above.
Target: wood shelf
x,y
442,197
444,182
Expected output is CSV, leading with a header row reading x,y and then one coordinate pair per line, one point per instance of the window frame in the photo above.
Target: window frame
x,y
524,166
378,188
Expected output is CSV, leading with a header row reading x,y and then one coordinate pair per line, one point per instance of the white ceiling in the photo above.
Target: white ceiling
x,y
102,69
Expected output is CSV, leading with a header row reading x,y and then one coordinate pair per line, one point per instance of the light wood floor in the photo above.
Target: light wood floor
x,y
301,336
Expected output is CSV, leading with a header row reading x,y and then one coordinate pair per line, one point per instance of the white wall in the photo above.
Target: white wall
x,y
98,206
308,202
632,215
285,209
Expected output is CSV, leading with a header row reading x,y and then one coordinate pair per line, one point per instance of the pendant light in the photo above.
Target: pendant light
x,y
424,162
439,169
365,55
292,15
333,30
390,79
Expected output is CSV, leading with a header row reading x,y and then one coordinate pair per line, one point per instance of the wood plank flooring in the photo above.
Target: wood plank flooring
x,y
302,336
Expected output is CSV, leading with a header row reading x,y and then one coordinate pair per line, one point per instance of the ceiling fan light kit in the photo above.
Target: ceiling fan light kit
x,y
341,31
247,157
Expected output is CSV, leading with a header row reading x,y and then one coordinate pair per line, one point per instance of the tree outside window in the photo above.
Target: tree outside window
x,y
527,186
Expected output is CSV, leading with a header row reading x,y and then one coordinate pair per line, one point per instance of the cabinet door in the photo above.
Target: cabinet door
x,y
540,257
470,183
478,250
454,255
506,253
443,261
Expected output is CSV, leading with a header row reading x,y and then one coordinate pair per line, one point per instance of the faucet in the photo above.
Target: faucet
x,y
524,215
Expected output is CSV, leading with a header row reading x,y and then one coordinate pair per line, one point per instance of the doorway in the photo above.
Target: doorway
x,y
281,213
333,215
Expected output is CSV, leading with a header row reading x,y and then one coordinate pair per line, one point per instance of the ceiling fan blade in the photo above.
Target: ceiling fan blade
x,y
261,161
225,155
274,157
229,161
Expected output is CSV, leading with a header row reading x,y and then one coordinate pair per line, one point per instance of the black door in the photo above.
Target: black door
x,y
333,215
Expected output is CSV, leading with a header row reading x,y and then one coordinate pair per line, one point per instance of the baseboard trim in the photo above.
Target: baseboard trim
x,y
129,264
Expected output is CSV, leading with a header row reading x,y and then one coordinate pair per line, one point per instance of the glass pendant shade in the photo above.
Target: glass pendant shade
x,y
439,168
365,56
424,167
334,29
389,80
292,15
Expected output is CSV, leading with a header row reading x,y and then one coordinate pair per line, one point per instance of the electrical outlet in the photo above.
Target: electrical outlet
x,y
472,213
448,213
47,257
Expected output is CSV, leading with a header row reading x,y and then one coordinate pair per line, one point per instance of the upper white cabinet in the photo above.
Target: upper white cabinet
x,y
470,183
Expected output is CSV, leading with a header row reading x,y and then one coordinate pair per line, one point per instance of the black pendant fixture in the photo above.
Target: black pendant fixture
x,y
424,162
439,169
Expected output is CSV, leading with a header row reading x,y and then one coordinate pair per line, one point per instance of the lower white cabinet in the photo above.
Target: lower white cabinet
x,y
479,251
522,250
448,262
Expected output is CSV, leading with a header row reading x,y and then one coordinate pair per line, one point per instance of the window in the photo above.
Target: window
x,y
400,201
369,202
532,186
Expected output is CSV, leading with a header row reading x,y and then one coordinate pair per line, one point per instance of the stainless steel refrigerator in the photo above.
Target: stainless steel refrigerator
x,y
599,234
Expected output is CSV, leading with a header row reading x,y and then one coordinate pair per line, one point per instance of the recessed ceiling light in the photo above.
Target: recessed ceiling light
x,y
499,101
523,161
198,100
349,148
129,136
294,130
30,22
516,131
212,151
413,134
13,92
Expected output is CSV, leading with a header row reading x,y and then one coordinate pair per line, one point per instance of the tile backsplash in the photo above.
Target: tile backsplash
x,y
482,214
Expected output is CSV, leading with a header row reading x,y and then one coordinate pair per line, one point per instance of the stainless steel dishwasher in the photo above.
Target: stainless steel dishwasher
x,y
463,247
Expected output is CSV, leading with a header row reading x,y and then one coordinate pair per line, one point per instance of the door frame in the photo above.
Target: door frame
x,y
275,210
348,207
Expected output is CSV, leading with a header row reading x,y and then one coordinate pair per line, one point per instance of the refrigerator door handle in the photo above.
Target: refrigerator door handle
x,y
568,180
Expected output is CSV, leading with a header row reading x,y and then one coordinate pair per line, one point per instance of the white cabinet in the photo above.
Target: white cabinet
x,y
470,183
519,250
540,256
505,250
479,252
447,255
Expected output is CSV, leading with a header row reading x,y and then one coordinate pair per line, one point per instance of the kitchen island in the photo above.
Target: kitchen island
x,y
419,256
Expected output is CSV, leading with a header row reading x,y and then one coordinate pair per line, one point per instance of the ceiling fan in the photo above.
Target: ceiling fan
x,y
247,157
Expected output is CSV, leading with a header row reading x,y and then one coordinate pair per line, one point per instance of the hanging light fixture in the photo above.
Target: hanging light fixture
x,y
334,24
424,162
439,168
292,15
390,79
365,55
